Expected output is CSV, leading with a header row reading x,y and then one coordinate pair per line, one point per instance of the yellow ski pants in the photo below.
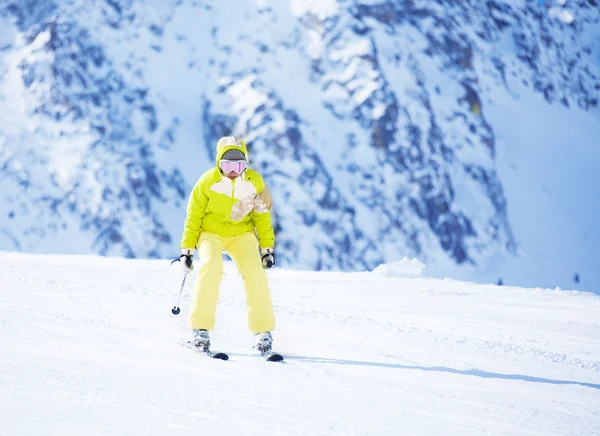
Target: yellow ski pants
x,y
244,252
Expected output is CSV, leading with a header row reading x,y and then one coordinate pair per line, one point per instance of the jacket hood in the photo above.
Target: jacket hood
x,y
230,143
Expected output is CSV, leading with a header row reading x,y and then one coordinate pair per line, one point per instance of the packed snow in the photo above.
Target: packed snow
x,y
89,346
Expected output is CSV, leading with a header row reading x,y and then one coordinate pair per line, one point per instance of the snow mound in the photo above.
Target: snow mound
x,y
403,268
563,15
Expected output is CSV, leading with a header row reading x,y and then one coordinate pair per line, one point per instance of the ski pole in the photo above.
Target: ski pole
x,y
176,309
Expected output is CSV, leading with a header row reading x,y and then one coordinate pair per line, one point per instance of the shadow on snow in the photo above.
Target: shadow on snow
x,y
472,372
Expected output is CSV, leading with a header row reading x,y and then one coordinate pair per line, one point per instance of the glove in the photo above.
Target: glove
x,y
187,260
268,257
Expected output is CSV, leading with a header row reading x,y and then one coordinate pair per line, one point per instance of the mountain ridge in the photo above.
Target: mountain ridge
x,y
382,150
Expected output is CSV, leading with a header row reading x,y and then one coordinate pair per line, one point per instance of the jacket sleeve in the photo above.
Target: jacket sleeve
x,y
196,209
261,215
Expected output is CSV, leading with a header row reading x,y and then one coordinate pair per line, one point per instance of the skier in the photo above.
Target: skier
x,y
229,210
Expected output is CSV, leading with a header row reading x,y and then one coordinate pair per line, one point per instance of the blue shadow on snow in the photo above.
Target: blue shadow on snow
x,y
472,372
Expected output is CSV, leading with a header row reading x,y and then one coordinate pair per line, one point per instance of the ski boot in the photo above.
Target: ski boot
x,y
201,339
264,342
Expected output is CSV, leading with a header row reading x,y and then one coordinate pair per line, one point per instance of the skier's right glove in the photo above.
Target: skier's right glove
x,y
187,260
268,257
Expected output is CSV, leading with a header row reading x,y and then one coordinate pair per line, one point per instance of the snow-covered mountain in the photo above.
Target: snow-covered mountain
x,y
89,346
384,129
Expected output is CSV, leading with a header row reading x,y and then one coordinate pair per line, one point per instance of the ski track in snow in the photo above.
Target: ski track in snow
x,y
89,346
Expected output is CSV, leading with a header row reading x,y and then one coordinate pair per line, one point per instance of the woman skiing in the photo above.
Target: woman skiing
x,y
229,210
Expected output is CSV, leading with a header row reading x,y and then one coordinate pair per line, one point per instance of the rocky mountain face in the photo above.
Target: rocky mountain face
x,y
366,118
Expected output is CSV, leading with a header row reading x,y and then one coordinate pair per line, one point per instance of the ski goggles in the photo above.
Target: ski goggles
x,y
237,166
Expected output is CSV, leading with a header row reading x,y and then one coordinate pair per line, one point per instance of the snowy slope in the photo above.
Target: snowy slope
x,y
89,346
551,175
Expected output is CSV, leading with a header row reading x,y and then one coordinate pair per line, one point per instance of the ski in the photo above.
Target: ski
x,y
212,354
216,355
271,356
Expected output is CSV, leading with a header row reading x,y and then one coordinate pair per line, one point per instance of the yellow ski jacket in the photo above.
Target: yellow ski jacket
x,y
227,207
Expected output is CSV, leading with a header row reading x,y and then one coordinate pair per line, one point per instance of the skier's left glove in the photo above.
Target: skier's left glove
x,y
268,257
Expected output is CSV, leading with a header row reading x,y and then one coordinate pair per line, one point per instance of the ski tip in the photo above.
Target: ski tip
x,y
221,356
215,355
275,358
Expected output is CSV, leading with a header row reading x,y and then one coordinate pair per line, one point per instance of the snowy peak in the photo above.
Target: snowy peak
x,y
368,120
